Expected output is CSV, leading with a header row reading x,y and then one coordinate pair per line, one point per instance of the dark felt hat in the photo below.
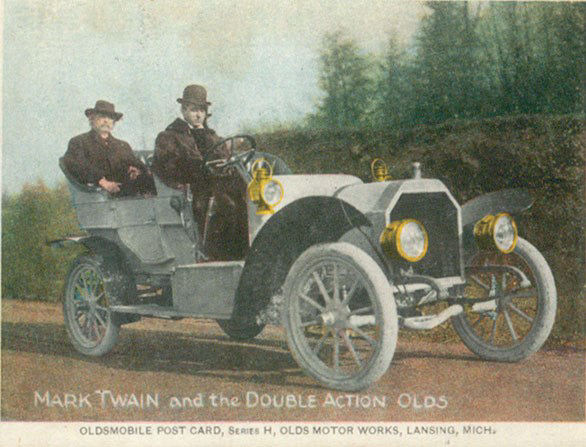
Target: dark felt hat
x,y
194,94
104,108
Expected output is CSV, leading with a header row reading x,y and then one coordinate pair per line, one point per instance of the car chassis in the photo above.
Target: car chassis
x,y
329,258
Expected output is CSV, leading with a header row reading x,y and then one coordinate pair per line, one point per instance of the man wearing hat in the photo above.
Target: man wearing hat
x,y
97,158
179,160
180,148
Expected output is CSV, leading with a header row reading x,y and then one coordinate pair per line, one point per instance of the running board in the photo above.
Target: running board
x,y
431,321
150,310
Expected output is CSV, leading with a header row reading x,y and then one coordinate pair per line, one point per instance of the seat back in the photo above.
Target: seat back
x,y
81,193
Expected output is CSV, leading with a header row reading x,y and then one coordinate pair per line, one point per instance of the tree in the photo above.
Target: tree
x,y
537,56
394,101
447,71
346,82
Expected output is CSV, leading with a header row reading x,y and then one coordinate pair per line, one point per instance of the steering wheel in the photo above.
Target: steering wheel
x,y
220,165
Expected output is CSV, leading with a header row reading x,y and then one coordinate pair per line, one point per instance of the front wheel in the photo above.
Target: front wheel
x,y
92,328
516,323
340,317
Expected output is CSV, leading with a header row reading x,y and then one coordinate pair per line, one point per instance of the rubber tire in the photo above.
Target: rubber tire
x,y
113,329
543,320
238,332
386,309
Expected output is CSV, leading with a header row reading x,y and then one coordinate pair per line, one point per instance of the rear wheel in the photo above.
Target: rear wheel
x,y
92,327
340,316
516,323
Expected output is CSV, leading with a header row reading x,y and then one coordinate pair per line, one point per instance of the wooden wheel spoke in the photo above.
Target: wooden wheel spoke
x,y
312,302
93,286
364,335
100,319
336,284
319,345
82,291
520,312
510,324
100,296
493,331
362,310
80,305
78,315
84,281
504,281
86,329
95,328
336,353
321,287
524,293
348,296
479,282
350,347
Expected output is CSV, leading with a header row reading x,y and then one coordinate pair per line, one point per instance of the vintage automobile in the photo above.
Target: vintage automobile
x,y
340,263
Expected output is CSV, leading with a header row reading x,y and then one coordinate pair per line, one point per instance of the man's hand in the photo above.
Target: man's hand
x,y
111,187
133,172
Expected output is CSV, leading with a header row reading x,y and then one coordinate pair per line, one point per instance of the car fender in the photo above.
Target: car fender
x,y
282,239
95,244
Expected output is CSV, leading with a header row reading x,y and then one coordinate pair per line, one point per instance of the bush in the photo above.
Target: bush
x,y
30,268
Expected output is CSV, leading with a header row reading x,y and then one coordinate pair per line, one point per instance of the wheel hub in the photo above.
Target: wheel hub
x,y
337,317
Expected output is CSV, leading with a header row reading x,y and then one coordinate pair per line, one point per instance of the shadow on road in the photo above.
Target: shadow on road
x,y
424,354
255,361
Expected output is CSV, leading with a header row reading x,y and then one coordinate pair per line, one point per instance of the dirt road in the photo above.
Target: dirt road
x,y
189,371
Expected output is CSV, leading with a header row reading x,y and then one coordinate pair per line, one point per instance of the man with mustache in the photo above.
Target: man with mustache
x,y
97,158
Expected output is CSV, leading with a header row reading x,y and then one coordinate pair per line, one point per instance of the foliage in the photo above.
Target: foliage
x,y
536,56
469,60
30,268
346,82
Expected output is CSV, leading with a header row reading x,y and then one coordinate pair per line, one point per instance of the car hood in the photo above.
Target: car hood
x,y
298,186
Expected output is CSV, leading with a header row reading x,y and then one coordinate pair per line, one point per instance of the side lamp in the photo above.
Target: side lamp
x,y
263,190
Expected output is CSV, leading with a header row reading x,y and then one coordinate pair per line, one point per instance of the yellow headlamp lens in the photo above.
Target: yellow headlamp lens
x,y
505,233
406,239
498,231
272,192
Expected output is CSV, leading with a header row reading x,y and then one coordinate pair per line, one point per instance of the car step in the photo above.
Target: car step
x,y
151,310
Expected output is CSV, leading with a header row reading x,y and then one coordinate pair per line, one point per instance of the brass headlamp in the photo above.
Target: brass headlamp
x,y
405,239
498,231
263,190
379,170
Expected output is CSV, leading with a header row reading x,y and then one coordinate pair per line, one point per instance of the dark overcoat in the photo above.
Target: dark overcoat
x,y
90,158
179,157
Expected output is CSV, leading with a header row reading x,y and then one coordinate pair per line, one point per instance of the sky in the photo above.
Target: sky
x,y
258,60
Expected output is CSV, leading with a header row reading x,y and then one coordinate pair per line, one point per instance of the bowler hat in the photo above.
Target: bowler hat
x,y
194,94
104,108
